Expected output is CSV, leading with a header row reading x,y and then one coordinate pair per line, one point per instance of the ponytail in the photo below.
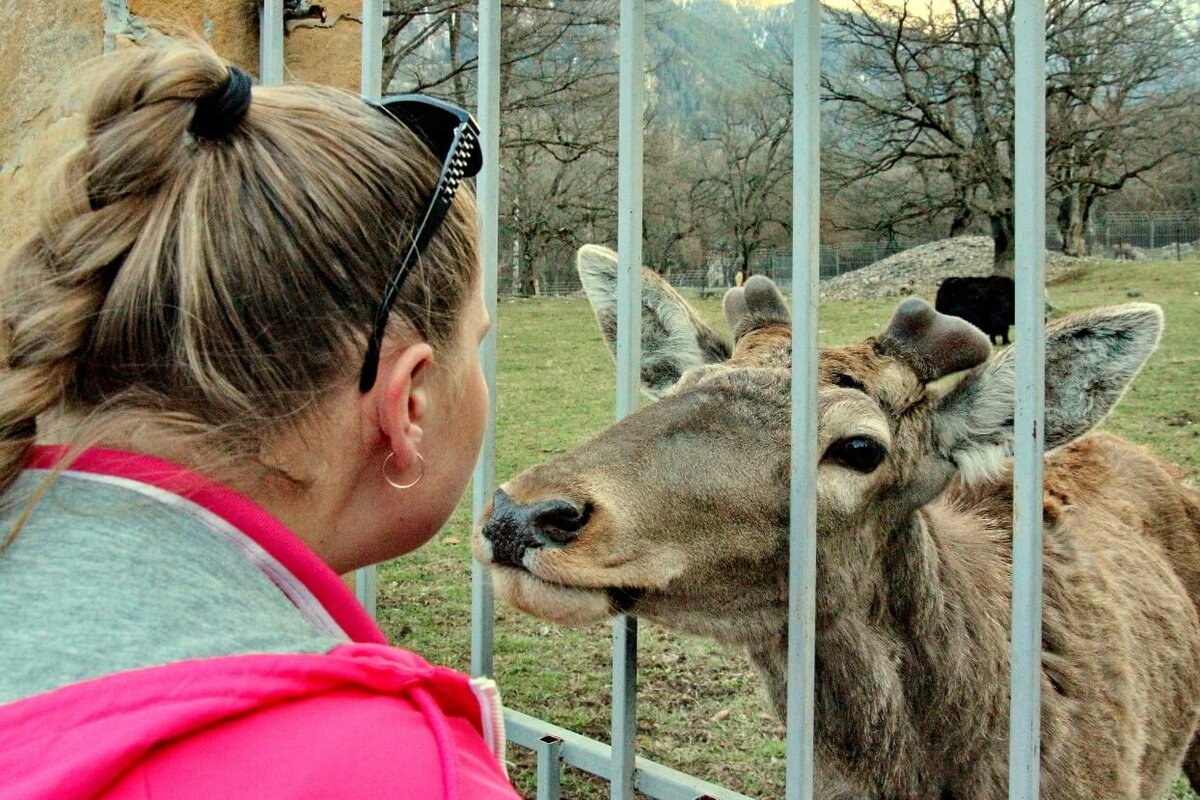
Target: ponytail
x,y
209,260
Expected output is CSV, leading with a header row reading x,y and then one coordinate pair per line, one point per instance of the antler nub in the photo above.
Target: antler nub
x,y
756,304
932,343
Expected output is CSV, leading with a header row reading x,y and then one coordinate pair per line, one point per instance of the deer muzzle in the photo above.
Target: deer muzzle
x,y
513,529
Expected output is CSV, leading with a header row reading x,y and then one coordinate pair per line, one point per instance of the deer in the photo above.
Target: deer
x,y
679,514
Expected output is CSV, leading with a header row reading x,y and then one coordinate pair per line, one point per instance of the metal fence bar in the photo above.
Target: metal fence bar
x,y
1029,387
487,187
618,762
372,49
806,230
270,43
629,207
595,758
624,709
630,111
366,579
549,767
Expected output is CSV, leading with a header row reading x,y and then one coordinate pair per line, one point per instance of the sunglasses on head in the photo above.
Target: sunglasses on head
x,y
452,135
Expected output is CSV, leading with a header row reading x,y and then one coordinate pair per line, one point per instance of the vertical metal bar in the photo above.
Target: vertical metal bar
x,y
806,229
366,579
366,588
270,43
624,710
631,104
1029,198
549,768
372,49
487,188
629,207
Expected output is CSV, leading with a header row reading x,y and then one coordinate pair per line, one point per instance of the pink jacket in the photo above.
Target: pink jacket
x,y
364,720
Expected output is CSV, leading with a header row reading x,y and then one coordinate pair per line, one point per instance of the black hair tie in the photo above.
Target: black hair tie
x,y
218,113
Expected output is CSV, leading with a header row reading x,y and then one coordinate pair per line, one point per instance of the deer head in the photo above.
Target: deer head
x,y
680,511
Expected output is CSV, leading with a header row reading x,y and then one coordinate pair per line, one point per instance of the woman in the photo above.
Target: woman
x,y
250,319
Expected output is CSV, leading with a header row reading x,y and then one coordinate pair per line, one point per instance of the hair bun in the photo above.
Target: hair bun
x,y
218,113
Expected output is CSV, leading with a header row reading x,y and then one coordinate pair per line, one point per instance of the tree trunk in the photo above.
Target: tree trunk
x,y
527,280
961,222
1005,246
460,90
1074,210
964,215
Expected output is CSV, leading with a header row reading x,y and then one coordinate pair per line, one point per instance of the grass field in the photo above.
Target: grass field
x,y
699,707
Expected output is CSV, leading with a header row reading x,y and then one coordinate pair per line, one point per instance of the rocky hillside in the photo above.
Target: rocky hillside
x,y
920,269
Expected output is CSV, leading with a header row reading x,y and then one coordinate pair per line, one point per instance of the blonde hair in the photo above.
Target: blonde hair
x,y
217,286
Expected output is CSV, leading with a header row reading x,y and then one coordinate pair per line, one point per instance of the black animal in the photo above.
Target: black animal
x,y
987,303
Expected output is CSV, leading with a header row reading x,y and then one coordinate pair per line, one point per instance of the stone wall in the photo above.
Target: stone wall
x,y
41,47
46,46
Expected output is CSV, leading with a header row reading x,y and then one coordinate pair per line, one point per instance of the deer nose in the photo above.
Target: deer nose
x,y
515,528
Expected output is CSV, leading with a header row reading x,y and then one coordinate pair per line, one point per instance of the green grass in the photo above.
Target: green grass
x,y
700,708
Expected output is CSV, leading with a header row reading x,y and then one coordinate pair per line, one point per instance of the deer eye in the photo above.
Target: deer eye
x,y
859,453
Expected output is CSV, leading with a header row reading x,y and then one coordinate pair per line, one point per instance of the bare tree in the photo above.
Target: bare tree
x,y
907,201
559,183
924,95
558,80
675,228
934,92
744,143
422,45
1121,100
433,46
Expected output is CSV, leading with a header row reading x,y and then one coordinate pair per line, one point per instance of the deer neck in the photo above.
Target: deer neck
x,y
893,642
749,611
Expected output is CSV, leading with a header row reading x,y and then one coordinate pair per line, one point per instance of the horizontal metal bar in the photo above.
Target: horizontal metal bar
x,y
649,777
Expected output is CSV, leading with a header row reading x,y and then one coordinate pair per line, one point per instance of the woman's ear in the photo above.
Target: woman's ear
x,y
402,395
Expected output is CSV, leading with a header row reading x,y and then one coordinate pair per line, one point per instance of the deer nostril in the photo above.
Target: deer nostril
x,y
514,529
560,520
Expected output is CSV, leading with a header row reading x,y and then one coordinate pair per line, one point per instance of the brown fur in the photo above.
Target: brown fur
x,y
689,527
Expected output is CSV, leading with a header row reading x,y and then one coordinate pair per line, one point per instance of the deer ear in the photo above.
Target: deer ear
x,y
1091,358
674,339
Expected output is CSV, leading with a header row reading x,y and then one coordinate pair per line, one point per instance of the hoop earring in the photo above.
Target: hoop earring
x,y
410,484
